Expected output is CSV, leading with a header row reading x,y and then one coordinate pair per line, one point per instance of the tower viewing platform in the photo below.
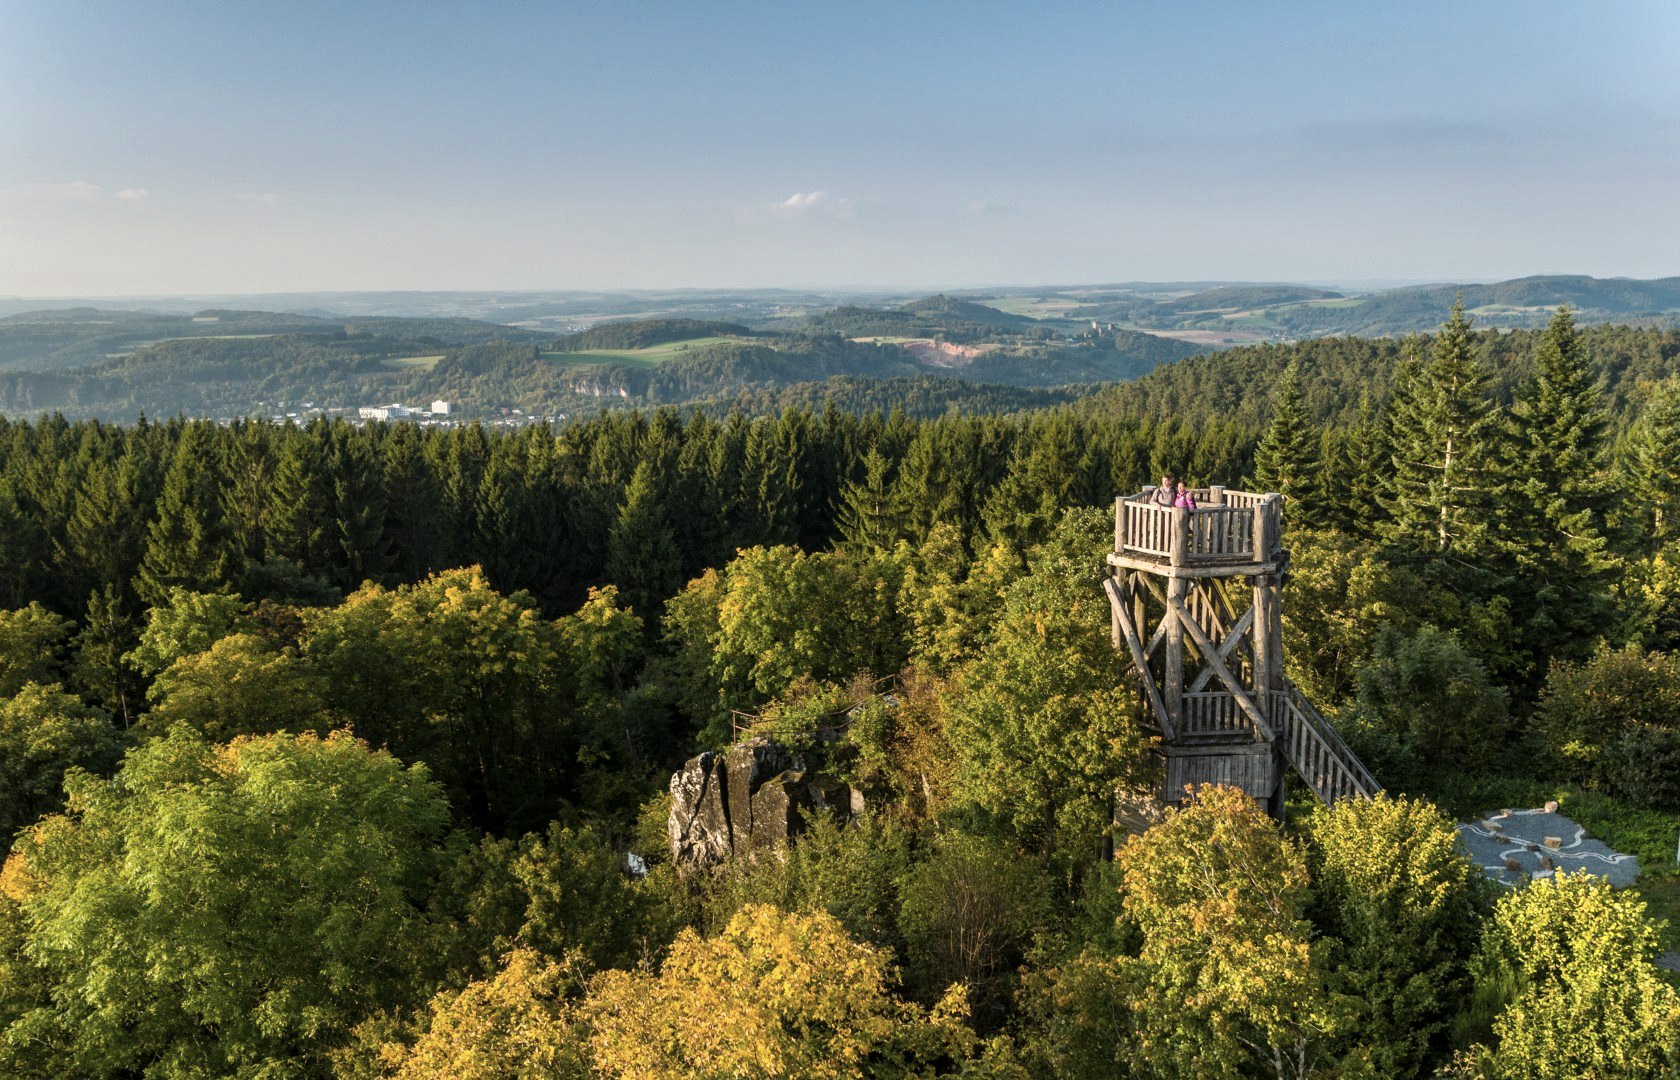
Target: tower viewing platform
x,y
1229,532
1196,598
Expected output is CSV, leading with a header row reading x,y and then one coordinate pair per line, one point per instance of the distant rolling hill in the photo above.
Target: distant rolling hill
x,y
1278,312
117,365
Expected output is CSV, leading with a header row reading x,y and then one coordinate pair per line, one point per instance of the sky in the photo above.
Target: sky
x,y
152,148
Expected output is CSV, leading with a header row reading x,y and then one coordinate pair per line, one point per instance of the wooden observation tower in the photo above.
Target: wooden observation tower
x,y
1196,598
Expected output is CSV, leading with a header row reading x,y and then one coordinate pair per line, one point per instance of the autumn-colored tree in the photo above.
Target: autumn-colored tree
x,y
515,1025
772,995
1227,983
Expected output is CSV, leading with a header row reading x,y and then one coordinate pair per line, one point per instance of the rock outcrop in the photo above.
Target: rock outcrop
x,y
746,802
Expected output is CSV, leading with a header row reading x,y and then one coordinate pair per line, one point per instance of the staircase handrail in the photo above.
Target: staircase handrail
x,y
1325,735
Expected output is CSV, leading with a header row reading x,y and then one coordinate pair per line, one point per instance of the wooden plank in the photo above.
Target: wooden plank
x,y
1219,669
1117,603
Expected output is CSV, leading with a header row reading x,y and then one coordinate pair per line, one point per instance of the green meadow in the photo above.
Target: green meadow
x,y
425,363
648,357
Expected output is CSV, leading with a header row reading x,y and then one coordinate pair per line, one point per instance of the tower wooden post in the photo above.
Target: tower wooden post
x,y
1199,592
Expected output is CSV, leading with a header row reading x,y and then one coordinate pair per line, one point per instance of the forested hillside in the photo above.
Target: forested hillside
x,y
224,365
346,751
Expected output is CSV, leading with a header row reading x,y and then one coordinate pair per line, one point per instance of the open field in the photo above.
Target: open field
x,y
1034,307
653,354
1232,335
424,363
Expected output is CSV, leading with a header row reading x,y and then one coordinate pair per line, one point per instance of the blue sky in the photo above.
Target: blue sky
x,y
237,147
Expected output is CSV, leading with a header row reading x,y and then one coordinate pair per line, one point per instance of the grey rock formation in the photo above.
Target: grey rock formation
x,y
746,802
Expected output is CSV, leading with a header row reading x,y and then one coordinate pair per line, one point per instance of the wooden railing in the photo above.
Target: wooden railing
x,y
1227,527
749,725
1213,714
1316,751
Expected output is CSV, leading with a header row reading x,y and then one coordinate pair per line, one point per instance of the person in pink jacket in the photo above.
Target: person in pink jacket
x,y
1185,499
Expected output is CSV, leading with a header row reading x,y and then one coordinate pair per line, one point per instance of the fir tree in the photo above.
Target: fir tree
x,y
1287,460
1442,446
870,516
298,520
100,672
1362,470
358,509
103,535
1656,462
187,542
1557,494
642,556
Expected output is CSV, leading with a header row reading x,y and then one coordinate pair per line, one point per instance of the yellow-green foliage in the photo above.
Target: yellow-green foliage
x,y
1397,899
1227,983
773,995
1569,958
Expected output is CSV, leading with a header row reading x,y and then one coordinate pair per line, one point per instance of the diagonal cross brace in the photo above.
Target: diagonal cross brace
x,y
1234,636
1244,702
1139,658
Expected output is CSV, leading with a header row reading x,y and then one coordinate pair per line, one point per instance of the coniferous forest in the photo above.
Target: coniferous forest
x,y
346,751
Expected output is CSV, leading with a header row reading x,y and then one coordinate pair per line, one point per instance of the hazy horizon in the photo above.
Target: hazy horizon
x,y
215,150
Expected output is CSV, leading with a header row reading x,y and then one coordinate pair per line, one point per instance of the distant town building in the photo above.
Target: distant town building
x,y
440,408
393,411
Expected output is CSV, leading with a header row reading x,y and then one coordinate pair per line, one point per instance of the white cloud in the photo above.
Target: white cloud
x,y
265,199
133,195
801,206
815,203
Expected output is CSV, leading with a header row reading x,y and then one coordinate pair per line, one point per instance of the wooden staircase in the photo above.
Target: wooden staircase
x,y
1198,593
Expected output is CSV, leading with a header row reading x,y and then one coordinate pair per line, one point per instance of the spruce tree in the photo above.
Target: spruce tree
x,y
1656,462
1359,471
642,556
358,509
1557,489
1442,447
1287,460
870,516
187,542
99,671
103,537
298,520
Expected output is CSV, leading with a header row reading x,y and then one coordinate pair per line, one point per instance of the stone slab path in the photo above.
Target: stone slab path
x,y
1517,846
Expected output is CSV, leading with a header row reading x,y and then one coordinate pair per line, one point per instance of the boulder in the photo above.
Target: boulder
x,y
746,802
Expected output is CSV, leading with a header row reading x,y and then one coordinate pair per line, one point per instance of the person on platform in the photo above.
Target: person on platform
x,y
1165,493
1185,498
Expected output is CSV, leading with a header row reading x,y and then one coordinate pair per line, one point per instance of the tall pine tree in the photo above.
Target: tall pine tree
x,y
1557,493
870,514
642,555
187,543
1656,462
1442,445
1287,460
